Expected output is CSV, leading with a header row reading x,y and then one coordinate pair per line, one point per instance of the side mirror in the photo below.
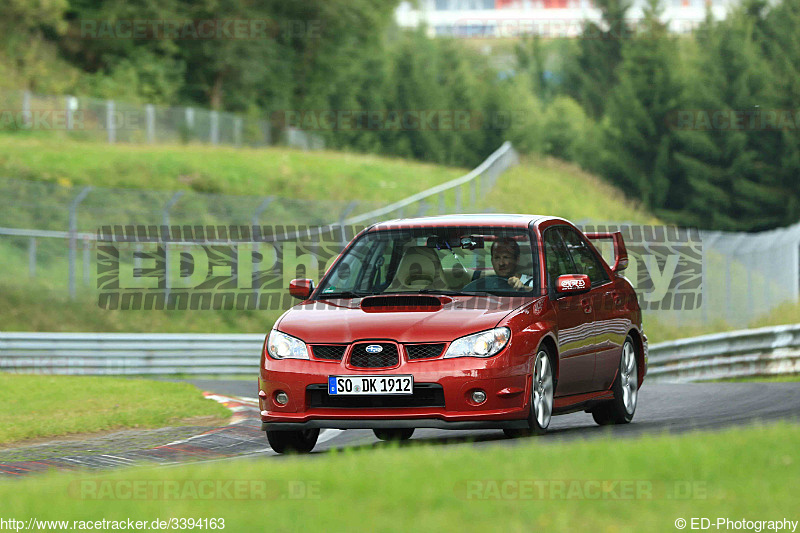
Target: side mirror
x,y
301,288
573,284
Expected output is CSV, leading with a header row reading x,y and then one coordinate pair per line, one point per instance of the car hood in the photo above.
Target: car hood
x,y
344,321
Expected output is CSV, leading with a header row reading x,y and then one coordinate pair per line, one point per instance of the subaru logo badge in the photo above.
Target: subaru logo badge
x,y
374,348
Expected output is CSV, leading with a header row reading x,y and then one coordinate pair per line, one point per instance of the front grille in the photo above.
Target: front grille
x,y
387,357
425,395
329,352
424,351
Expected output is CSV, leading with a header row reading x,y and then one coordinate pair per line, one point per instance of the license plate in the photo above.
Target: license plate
x,y
343,385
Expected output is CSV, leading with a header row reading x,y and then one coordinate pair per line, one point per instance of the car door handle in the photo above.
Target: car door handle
x,y
587,305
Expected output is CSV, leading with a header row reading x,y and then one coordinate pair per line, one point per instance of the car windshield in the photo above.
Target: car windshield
x,y
436,261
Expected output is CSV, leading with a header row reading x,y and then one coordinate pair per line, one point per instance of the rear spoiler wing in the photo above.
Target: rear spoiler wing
x,y
620,252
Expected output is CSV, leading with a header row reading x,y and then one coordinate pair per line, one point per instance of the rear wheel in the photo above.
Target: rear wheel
x,y
394,433
301,441
621,409
543,390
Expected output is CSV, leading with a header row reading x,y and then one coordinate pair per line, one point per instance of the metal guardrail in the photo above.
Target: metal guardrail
x,y
765,351
753,352
130,354
482,177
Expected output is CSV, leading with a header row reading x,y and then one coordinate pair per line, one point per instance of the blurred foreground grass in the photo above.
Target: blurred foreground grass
x,y
604,484
33,406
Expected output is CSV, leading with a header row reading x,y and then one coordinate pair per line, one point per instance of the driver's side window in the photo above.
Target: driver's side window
x,y
557,259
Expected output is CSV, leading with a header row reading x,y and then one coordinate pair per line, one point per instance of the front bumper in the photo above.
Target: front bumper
x,y
507,401
400,423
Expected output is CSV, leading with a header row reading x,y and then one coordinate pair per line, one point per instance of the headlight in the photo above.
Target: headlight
x,y
483,344
282,346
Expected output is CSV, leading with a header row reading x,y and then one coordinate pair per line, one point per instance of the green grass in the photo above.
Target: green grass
x,y
659,331
788,378
547,186
33,308
225,170
741,473
33,406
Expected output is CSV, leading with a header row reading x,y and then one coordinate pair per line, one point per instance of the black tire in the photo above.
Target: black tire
x,y
620,410
394,433
301,441
535,427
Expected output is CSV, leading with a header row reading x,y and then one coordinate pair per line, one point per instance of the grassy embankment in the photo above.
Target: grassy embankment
x,y
538,185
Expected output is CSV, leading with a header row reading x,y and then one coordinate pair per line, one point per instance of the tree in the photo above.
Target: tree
x,y
638,143
782,50
727,159
594,70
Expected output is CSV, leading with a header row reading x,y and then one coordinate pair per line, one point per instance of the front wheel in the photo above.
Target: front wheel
x,y
394,433
300,441
621,409
542,393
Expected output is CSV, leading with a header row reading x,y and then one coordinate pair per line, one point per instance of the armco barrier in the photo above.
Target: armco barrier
x,y
752,352
130,354
765,351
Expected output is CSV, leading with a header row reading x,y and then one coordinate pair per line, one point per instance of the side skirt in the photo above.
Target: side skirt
x,y
580,402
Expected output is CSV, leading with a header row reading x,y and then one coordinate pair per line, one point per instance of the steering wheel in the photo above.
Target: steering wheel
x,y
488,283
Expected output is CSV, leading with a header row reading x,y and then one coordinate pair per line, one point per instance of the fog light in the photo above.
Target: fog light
x,y
281,398
478,396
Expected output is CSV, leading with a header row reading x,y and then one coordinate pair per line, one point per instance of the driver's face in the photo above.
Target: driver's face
x,y
503,261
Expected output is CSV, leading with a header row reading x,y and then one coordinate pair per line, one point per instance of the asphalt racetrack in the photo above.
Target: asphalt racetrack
x,y
662,407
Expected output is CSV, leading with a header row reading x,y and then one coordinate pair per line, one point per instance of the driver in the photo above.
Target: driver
x,y
505,256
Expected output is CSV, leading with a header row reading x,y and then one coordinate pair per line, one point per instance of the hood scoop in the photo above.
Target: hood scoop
x,y
404,302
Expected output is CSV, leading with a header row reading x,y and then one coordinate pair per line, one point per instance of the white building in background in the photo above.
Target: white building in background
x,y
548,18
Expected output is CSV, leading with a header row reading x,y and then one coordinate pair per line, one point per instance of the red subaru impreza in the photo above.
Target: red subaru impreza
x,y
456,322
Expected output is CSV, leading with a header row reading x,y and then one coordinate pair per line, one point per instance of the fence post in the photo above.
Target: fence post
x,y
73,235
86,261
165,220
26,107
32,257
70,105
112,134
343,216
214,127
237,131
189,116
150,119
